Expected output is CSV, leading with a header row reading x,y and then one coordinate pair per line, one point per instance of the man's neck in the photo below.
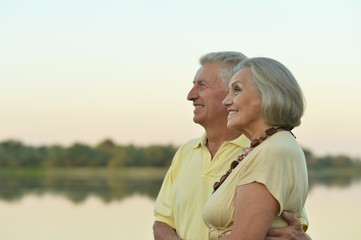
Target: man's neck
x,y
217,137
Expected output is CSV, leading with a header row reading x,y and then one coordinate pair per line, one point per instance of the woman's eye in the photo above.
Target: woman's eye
x,y
236,89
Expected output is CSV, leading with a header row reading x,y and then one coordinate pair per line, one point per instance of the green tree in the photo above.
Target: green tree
x,y
82,155
14,154
116,156
54,156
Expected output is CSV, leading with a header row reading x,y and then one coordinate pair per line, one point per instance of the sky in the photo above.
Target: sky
x,y
84,71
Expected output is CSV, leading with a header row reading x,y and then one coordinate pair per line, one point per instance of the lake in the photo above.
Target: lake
x,y
107,205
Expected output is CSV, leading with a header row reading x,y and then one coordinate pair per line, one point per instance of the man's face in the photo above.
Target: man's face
x,y
207,95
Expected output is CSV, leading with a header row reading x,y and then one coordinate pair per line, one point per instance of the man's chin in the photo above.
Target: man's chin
x,y
197,120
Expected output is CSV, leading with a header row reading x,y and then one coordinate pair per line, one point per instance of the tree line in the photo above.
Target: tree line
x,y
332,162
15,154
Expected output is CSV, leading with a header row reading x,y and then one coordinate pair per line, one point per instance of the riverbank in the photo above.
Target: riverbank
x,y
140,173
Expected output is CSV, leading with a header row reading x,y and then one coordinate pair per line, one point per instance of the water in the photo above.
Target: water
x,y
112,208
50,217
334,212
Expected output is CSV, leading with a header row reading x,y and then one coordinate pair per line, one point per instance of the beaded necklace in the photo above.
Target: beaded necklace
x,y
245,152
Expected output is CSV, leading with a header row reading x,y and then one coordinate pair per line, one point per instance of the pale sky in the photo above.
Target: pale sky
x,y
82,71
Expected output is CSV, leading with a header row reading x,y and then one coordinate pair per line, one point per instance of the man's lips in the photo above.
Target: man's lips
x,y
198,106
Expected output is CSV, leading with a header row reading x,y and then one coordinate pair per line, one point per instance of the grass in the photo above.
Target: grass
x,y
335,172
140,173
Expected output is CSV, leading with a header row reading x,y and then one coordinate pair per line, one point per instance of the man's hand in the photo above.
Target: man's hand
x,y
293,231
163,231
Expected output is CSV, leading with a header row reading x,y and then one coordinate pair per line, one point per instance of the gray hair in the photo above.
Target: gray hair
x,y
229,60
282,98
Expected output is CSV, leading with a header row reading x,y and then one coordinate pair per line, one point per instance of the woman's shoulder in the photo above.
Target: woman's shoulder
x,y
282,144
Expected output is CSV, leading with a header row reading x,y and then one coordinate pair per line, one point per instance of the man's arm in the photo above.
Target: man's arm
x,y
292,231
163,231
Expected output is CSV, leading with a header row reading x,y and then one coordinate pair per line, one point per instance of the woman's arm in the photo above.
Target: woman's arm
x,y
255,209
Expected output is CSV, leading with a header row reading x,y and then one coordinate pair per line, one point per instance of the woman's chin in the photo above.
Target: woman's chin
x,y
231,125
234,126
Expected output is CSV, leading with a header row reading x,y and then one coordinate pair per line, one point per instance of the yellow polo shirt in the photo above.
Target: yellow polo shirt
x,y
189,183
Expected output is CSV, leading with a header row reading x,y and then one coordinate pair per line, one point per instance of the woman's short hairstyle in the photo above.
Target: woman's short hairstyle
x,y
229,60
282,98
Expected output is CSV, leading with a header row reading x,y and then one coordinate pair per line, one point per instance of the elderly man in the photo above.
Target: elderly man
x,y
201,161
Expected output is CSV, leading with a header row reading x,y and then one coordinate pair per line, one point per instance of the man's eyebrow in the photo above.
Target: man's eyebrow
x,y
199,81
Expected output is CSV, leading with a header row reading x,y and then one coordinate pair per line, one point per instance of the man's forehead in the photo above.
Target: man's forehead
x,y
206,74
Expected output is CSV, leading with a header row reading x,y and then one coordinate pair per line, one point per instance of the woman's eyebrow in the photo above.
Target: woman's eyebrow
x,y
234,83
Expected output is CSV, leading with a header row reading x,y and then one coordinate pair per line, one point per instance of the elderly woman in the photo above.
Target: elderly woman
x,y
265,103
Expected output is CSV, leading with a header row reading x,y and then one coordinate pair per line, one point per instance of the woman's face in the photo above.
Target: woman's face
x,y
243,103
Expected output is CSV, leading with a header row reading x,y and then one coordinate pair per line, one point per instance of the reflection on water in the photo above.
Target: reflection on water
x,y
78,187
50,217
343,181
107,206
334,212
77,190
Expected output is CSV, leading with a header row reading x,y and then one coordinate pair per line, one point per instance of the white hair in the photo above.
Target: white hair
x,y
228,59
282,98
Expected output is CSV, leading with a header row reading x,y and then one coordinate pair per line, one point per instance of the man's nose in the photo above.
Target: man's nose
x,y
192,94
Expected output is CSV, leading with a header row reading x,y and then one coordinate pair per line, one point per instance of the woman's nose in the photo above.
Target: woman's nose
x,y
227,100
